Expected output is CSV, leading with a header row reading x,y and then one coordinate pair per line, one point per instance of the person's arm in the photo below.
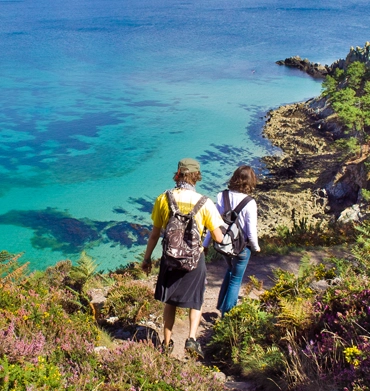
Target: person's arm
x,y
217,235
207,240
251,225
152,242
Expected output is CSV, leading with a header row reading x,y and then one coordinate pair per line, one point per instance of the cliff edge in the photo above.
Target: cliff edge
x,y
311,177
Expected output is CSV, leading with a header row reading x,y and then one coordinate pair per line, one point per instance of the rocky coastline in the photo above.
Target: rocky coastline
x,y
318,70
310,178
297,174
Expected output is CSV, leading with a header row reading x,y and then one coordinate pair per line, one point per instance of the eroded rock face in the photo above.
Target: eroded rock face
x,y
353,213
346,184
321,71
313,69
326,120
307,177
355,54
294,186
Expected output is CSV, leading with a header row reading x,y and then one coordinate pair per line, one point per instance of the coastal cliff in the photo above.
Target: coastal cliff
x,y
318,70
312,178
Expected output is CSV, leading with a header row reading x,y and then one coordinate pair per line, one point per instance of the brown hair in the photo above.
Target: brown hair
x,y
189,177
243,180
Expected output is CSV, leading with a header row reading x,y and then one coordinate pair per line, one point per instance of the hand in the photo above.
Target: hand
x,y
146,266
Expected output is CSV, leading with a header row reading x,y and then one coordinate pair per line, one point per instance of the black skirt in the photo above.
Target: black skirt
x,y
182,289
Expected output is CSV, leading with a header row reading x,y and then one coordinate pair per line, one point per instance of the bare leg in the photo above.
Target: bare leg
x,y
169,314
194,320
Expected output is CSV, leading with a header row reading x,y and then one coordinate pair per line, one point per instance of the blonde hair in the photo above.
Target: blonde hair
x,y
189,177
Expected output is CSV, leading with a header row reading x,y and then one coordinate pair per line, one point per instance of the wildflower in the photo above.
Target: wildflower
x,y
352,355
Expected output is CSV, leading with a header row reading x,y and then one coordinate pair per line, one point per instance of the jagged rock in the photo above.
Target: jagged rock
x,y
344,188
112,320
304,133
353,213
321,198
122,334
220,376
144,333
320,286
97,300
356,54
321,71
313,69
240,386
326,118
317,188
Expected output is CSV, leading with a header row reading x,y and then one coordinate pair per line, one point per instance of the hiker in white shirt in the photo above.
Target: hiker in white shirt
x,y
241,184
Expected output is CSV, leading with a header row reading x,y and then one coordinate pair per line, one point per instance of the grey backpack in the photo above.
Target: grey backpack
x,y
233,242
182,239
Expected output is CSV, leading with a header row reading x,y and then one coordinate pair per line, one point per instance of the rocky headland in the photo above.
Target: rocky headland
x,y
318,70
311,178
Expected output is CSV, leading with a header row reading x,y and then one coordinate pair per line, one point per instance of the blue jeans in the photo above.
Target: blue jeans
x,y
229,292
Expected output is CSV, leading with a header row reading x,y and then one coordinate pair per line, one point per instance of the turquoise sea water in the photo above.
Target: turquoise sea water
x,y
99,99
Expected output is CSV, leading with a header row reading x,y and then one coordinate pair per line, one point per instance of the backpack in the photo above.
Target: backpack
x,y
233,242
182,239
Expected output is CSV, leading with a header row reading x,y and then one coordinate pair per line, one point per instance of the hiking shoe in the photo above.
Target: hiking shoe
x,y
167,349
193,347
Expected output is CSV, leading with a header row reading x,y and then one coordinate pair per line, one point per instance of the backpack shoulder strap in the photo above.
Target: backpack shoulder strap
x,y
225,196
242,204
198,205
172,202
175,209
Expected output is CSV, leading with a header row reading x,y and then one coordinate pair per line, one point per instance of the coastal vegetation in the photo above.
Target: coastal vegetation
x,y
52,338
309,331
348,92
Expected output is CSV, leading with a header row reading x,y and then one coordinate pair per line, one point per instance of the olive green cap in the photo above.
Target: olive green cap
x,y
188,165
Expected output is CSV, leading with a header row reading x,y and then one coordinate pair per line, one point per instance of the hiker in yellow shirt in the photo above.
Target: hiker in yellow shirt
x,y
178,288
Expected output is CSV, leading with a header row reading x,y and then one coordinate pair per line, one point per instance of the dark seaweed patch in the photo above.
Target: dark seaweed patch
x,y
146,206
54,229
61,232
128,234
119,209
62,133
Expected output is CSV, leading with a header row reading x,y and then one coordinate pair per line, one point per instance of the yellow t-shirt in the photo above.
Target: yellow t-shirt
x,y
208,215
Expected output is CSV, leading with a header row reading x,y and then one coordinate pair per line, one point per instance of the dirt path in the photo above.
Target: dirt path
x,y
260,266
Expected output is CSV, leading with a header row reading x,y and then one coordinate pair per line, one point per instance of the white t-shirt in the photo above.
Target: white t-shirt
x,y
247,218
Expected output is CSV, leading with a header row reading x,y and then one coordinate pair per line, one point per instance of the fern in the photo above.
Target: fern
x,y
86,266
255,360
304,266
361,250
10,270
5,256
294,314
17,274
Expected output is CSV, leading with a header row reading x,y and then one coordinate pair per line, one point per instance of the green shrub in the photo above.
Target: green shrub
x,y
40,375
304,235
138,366
131,301
244,339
